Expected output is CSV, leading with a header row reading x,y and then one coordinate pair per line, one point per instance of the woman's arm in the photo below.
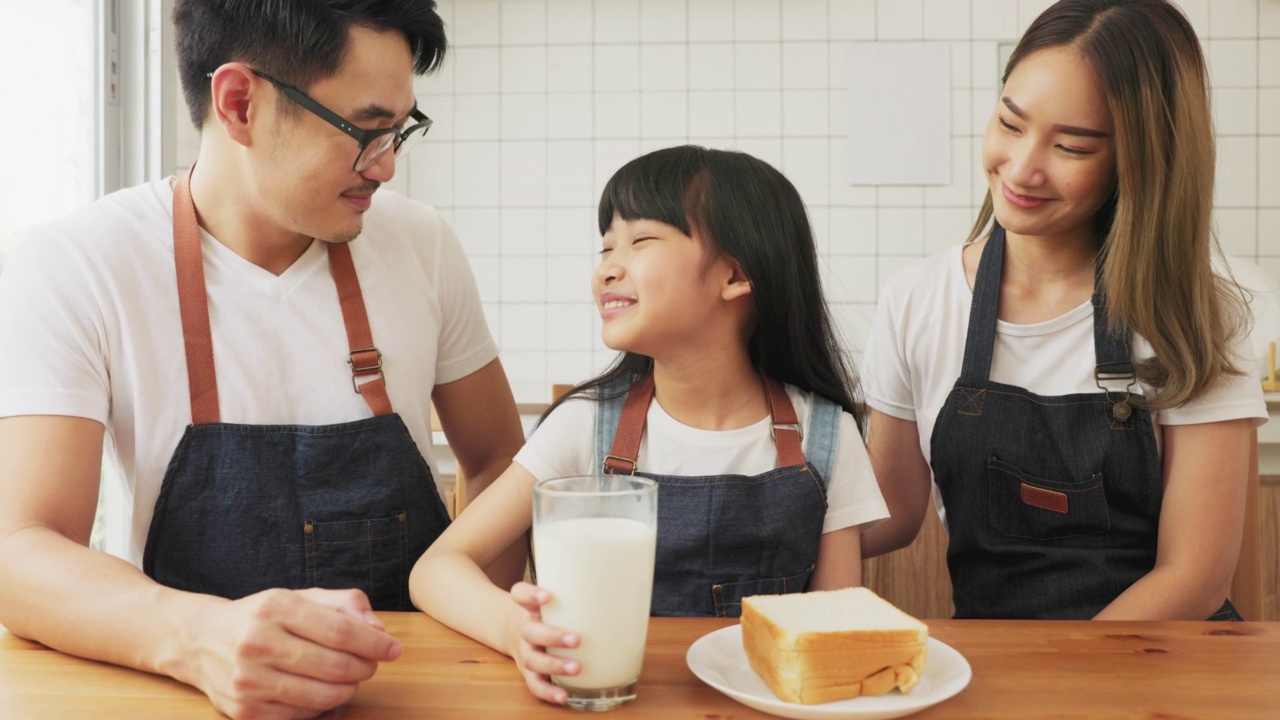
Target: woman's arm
x,y
1206,470
904,478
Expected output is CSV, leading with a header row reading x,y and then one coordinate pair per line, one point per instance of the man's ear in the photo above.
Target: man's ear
x,y
234,94
737,285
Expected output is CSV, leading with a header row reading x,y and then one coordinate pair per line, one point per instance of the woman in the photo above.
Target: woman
x,y
1071,377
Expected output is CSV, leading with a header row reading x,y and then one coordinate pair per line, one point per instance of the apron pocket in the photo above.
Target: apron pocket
x,y
1022,505
369,555
728,596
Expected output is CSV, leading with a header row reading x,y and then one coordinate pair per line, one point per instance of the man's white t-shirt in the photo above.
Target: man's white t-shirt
x,y
915,352
89,327
564,445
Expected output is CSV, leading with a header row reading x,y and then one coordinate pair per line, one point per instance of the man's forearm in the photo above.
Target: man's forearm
x,y
93,605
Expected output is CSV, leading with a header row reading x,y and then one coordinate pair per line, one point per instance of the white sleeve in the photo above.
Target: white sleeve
x,y
564,444
466,344
886,377
853,496
51,334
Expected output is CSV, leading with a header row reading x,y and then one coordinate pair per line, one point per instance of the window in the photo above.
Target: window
x,y
79,119
50,125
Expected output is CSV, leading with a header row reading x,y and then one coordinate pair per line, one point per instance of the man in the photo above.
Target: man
x,y
259,345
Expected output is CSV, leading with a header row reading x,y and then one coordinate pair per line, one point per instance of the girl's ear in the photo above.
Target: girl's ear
x,y
736,285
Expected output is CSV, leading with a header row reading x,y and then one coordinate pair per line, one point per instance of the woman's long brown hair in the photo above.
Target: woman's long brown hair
x,y
1155,233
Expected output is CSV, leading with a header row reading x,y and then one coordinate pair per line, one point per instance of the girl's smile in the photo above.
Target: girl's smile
x,y
612,304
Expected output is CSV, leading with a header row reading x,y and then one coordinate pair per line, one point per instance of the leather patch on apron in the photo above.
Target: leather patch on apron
x,y
1043,499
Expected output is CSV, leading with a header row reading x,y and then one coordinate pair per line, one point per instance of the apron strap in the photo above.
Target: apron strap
x,y
785,426
626,441
193,304
981,337
822,437
608,407
1111,349
365,360
622,457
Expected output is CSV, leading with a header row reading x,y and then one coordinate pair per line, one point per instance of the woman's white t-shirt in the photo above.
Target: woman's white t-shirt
x,y
915,351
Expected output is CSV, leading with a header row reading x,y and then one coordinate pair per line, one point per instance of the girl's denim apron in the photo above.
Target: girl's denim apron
x,y
723,537
244,508
1053,503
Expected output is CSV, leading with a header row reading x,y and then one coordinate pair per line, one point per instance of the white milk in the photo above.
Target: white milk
x,y
599,572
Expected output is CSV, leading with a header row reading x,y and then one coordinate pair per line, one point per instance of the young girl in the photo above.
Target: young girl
x,y
708,283
1071,379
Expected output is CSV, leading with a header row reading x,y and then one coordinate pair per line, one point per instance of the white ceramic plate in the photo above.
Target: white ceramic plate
x,y
718,659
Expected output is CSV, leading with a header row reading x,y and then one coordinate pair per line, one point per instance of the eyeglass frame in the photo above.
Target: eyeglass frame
x,y
361,136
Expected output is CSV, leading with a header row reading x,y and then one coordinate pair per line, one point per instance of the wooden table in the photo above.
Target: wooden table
x,y
1021,670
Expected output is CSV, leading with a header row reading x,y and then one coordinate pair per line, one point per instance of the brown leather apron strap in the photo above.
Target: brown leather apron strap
x,y
365,360
625,451
786,427
193,304
626,441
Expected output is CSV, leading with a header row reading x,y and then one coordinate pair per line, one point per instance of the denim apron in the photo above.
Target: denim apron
x,y
243,508
1053,503
724,537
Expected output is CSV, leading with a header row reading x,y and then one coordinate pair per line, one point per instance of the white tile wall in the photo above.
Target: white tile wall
x,y
1233,18
1198,12
1233,63
897,20
1269,60
541,101
1269,18
663,21
1269,111
524,24
569,21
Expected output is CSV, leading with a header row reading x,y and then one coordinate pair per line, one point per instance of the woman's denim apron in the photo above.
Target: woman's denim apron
x,y
724,537
244,508
1052,503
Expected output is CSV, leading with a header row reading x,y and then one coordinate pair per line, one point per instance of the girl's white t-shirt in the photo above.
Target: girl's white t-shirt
x,y
564,445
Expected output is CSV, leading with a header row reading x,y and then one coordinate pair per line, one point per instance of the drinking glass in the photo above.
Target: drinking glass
x,y
594,539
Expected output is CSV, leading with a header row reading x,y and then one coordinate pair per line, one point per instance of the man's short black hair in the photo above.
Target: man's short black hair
x,y
297,41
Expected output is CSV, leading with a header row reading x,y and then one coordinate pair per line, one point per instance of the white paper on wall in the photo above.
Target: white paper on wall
x,y
899,113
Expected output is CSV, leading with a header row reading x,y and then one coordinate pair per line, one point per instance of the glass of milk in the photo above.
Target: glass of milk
x,y
594,538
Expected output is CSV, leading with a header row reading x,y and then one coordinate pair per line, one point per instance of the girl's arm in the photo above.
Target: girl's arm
x,y
1206,471
839,560
904,478
478,415
449,583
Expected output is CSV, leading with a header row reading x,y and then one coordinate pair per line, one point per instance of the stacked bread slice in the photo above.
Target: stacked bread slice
x,y
818,647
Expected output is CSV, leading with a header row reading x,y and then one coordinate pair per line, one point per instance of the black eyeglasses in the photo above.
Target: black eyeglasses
x,y
373,143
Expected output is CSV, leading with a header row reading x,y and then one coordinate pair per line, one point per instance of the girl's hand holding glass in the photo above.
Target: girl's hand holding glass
x,y
530,638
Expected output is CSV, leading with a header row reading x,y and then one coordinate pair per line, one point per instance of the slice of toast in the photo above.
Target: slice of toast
x,y
817,647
